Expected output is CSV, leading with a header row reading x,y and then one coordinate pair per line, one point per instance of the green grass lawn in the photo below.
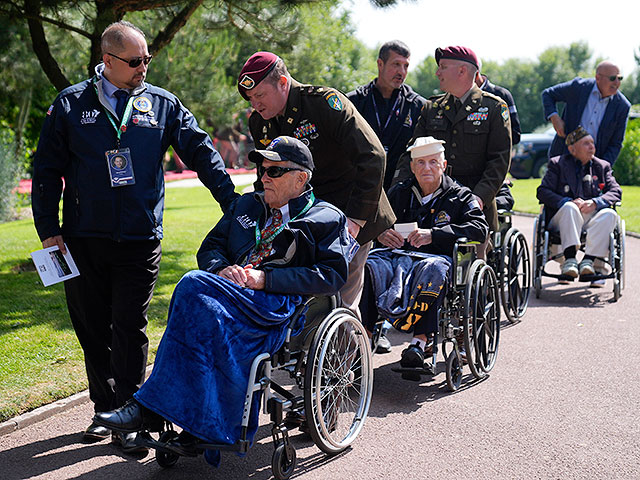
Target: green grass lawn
x,y
524,192
40,358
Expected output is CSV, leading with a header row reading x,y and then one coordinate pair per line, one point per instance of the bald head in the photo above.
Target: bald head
x,y
114,36
608,78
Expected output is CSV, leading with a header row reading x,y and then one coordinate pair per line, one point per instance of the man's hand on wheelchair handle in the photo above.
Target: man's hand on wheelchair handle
x,y
390,238
420,237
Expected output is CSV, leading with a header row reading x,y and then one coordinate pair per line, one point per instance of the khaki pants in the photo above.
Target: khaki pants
x,y
598,225
352,290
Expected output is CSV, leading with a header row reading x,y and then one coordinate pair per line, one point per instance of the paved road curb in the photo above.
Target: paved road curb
x,y
43,412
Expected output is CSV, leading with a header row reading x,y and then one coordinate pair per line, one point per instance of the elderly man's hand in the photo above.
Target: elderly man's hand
x,y
235,274
420,237
558,125
587,206
255,278
353,228
390,238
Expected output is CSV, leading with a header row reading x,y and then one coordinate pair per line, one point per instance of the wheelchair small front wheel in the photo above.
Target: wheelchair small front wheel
x,y
164,458
454,371
283,461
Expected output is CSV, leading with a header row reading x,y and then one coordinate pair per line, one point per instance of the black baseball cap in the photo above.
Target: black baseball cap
x,y
283,149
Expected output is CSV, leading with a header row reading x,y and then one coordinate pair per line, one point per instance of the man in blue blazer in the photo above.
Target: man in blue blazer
x,y
595,104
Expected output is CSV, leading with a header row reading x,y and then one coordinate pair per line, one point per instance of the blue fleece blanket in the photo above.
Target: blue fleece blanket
x,y
214,331
398,278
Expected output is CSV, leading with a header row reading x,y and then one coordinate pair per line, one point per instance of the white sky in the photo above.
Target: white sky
x,y
501,29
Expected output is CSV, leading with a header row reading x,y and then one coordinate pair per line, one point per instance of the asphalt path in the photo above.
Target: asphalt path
x,y
561,403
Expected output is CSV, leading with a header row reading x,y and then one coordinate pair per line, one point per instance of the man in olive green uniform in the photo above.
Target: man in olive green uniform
x,y
474,124
349,158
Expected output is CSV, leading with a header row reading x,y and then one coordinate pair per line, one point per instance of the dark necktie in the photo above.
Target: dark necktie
x,y
264,249
122,98
457,105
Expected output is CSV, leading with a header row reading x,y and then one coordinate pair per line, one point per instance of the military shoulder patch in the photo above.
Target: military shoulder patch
x,y
504,111
334,101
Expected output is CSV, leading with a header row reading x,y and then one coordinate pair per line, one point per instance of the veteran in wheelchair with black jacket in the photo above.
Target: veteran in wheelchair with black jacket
x,y
267,252
579,193
405,281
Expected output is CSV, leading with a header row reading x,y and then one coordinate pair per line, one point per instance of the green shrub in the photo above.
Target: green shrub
x,y
10,170
627,166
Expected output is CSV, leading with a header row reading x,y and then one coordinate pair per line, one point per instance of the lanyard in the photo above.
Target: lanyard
x,y
312,199
125,117
375,107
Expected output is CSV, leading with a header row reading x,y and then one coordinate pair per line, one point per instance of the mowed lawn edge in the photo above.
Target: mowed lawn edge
x,y
40,358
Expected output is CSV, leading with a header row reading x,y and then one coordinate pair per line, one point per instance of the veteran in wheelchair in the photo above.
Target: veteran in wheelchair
x,y
406,281
274,254
579,194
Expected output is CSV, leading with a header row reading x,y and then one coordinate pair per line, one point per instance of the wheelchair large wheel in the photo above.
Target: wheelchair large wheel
x,y
515,276
338,381
537,257
619,260
482,319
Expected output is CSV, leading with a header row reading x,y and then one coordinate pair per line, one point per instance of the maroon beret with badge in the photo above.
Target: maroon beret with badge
x,y
254,70
457,53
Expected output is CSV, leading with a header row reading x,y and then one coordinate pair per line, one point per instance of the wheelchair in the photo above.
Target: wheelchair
x,y
330,364
512,264
546,248
470,312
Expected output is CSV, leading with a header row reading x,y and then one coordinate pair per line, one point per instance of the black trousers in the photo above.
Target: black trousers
x,y
369,311
108,306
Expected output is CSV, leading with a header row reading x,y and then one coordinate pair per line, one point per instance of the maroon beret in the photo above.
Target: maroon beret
x,y
457,53
255,69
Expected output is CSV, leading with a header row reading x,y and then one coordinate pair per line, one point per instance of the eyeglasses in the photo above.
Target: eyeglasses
x,y
134,62
613,78
275,172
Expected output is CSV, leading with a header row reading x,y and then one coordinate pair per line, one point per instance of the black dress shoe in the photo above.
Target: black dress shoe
x,y
127,418
95,433
412,357
132,442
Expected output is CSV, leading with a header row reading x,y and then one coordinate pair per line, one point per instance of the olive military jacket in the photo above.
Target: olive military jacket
x,y
478,142
348,156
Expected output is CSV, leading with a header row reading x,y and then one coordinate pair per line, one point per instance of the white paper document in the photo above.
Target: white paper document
x,y
405,229
53,266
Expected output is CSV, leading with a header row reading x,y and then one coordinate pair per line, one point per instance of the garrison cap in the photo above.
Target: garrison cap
x,y
576,135
283,149
254,70
457,53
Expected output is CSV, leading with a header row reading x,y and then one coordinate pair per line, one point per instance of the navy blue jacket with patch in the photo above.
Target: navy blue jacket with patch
x,y
75,136
394,138
452,214
309,256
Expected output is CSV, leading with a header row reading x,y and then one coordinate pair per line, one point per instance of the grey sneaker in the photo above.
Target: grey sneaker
x,y
570,268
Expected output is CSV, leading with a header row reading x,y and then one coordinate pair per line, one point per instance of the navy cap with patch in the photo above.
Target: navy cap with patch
x,y
285,149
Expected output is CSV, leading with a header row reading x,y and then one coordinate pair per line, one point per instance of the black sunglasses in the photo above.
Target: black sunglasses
x,y
134,62
613,78
275,172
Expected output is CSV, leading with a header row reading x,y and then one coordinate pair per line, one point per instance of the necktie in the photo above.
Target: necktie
x,y
457,105
264,249
122,98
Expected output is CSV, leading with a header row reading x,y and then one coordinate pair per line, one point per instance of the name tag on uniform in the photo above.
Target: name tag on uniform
x,y
120,167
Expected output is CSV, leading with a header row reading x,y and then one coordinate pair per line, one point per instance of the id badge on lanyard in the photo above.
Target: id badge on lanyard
x,y
119,160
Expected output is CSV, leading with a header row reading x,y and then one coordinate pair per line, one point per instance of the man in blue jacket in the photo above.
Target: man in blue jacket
x,y
389,105
269,249
596,105
106,137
